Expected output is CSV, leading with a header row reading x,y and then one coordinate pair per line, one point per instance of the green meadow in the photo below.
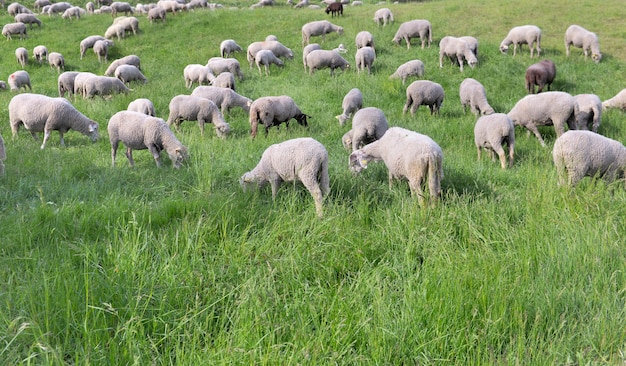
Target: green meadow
x,y
159,266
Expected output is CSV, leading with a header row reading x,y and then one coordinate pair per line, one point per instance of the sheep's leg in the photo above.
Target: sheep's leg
x,y
532,128
415,184
408,42
46,136
201,123
511,152
156,154
479,149
129,156
408,103
515,49
313,187
501,154
114,147
275,184
415,106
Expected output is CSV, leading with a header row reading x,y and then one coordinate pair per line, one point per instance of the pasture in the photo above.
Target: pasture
x,y
137,266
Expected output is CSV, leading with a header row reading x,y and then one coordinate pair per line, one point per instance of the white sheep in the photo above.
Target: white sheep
x,y
27,18
101,49
579,154
548,108
457,50
40,53
10,29
491,132
3,156
18,80
41,3
407,154
192,108
126,60
266,58
588,112
352,102
277,48
138,131
16,8
171,6
89,7
65,83
102,86
225,98
306,50
58,8
40,113
196,73
72,13
224,80
229,46
219,65
79,82
424,92
368,125
472,93
142,105
318,28
473,43
121,7
274,110
364,59
57,60
412,29
301,159
130,24
409,68
271,37
115,30
319,59
88,43
21,54
525,34
578,36
364,39
128,73
618,101
157,13
384,16
341,49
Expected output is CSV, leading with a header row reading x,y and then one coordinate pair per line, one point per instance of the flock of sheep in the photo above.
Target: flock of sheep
x,y
407,154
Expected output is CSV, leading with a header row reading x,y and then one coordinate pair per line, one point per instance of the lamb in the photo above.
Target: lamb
x,y
138,131
224,80
384,16
557,108
473,43
424,92
277,48
219,65
57,60
27,18
196,73
101,49
318,59
409,68
192,108
335,8
618,101
364,59
491,132
40,113
580,37
580,154
40,53
142,105
352,102
266,58
65,83
115,30
368,125
103,86
588,112
121,7
18,80
364,39
274,110
540,74
525,34
3,156
88,43
11,29
21,54
229,46
472,94
301,159
306,50
457,50
318,28
73,12
412,29
126,60
157,13
223,97
406,154
130,24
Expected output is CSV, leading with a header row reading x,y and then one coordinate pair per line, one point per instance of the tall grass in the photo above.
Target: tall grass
x,y
102,265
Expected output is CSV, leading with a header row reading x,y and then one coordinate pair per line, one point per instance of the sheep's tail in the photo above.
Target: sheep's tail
x,y
435,175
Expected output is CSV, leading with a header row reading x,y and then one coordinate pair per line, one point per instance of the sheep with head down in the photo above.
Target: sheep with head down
x,y
472,94
368,125
457,50
278,49
306,50
318,28
40,53
588,112
618,101
407,69
11,29
229,46
541,74
424,92
88,43
578,36
266,58
225,98
128,73
219,65
319,59
493,131
192,108
18,80
412,29
364,59
21,54
126,60
56,60
525,34
274,110
352,102
142,105
384,16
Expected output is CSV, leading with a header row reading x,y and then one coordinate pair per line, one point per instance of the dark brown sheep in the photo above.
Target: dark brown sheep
x,y
540,74
335,8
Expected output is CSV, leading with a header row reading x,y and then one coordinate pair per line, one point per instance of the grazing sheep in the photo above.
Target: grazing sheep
x,y
3,156
223,97
306,50
103,86
618,101
272,111
318,28
277,48
18,80
412,29
73,12
301,4
549,108
157,13
301,159
116,30
58,8
424,92
128,73
525,34
588,112
352,102
171,6
138,131
88,43
224,80
219,65
319,59
364,59
27,18
130,24
262,3
21,54
384,16
196,73
493,131
335,8
580,37
79,82
40,53
120,7
406,154
266,58
57,60
368,125
340,49
364,39
409,68
540,74
101,49
14,28
580,154
472,94
142,105
457,50
193,4
41,3
16,8
90,7
229,46
126,60
473,43
192,108
40,113
65,83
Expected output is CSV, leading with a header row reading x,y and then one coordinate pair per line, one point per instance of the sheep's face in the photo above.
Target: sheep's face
x,y
504,48
596,57
358,162
249,181
93,131
347,141
223,130
178,156
473,61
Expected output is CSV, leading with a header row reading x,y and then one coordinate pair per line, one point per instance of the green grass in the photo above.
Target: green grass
x,y
103,266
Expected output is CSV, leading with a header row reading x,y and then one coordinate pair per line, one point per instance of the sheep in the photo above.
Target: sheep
x,y
126,60
271,37
41,3
157,13
424,92
224,80
142,105
457,50
101,49
128,73
262,3
301,4
364,59
130,24
3,156
525,34
473,43
318,28
171,6
306,50
16,8
79,83
274,110
196,73
115,30
192,108
40,53
491,132
341,49
138,131
335,8
65,83
302,159
73,12
368,125
219,65
27,18
384,16
121,7
103,86
193,4
57,60
407,154
409,68
18,80
556,108
58,8
472,93
364,39
223,97
588,112
229,46
580,37
90,7
88,43
318,59
14,28
40,113
412,29
352,102
21,54
277,48
266,58
540,74
618,101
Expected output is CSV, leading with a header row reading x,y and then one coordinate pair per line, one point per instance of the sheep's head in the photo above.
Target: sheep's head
x,y
596,57
92,129
340,30
250,180
178,156
346,140
301,118
358,161
223,130
472,61
342,118
504,48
